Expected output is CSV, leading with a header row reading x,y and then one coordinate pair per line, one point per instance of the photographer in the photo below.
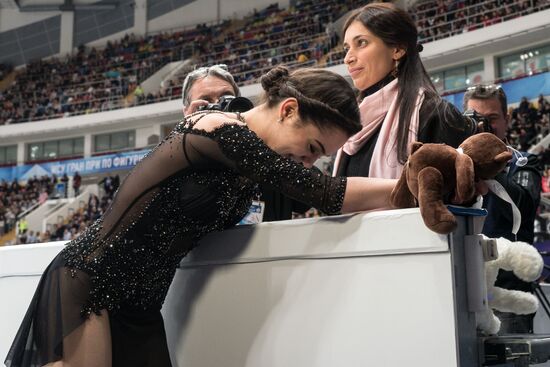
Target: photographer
x,y
206,85
521,182
211,88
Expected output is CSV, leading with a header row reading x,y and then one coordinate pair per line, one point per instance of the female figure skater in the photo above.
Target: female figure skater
x,y
98,303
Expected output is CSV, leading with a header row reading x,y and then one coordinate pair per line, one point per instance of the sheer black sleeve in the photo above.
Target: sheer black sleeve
x,y
237,147
229,146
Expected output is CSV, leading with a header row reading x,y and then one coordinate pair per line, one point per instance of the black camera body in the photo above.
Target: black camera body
x,y
479,120
229,103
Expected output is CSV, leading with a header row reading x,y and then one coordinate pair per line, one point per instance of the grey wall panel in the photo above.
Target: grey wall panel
x,y
10,48
37,52
90,25
53,22
160,7
91,34
7,38
33,41
11,54
157,8
110,28
87,22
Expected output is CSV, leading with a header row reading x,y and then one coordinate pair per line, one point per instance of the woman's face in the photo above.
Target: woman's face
x,y
302,141
368,58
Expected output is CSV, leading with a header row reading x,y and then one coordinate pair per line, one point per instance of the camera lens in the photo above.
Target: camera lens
x,y
238,104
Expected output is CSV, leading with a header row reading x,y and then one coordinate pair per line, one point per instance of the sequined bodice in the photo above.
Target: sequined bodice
x,y
193,183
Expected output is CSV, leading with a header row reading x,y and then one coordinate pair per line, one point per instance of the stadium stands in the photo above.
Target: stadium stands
x,y
440,19
77,222
16,198
96,80
530,123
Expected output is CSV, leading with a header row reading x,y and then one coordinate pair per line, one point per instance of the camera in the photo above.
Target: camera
x,y
479,120
229,103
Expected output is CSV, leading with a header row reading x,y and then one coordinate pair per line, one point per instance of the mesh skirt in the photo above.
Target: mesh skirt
x,y
138,337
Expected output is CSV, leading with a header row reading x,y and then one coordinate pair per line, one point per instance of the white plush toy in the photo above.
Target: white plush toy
x,y
527,264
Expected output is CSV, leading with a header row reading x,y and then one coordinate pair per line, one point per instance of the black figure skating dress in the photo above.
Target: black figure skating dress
x,y
192,183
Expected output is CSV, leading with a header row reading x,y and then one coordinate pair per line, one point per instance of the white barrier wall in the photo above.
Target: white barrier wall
x,y
363,290
20,269
370,289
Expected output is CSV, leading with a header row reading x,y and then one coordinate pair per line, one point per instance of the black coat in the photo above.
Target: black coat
x,y
523,184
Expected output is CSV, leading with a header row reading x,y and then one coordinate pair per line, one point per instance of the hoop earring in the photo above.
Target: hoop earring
x,y
395,70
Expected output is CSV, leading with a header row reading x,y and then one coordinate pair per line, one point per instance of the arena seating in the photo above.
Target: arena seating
x,y
529,124
95,80
17,197
440,19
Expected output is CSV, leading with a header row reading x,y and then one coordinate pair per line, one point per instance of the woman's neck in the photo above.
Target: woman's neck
x,y
377,86
256,118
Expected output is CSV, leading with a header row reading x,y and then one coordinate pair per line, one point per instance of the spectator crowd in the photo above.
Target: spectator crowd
x,y
16,198
76,222
529,124
94,80
436,19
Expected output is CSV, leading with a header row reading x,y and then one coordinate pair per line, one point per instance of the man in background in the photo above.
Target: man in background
x,y
206,85
523,185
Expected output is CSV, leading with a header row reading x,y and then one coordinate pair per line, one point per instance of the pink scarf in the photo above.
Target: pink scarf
x,y
382,108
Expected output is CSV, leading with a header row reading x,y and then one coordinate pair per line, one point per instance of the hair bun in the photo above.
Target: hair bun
x,y
419,47
274,78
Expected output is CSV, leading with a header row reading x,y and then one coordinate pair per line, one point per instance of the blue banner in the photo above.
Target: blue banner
x,y
85,166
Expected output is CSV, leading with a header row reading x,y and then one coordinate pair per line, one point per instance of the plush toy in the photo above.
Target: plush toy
x,y
436,173
527,264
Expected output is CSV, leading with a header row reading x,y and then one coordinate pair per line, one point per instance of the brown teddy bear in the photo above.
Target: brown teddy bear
x,y
437,173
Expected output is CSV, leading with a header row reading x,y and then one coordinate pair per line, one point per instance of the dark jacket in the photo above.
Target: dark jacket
x,y
523,184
